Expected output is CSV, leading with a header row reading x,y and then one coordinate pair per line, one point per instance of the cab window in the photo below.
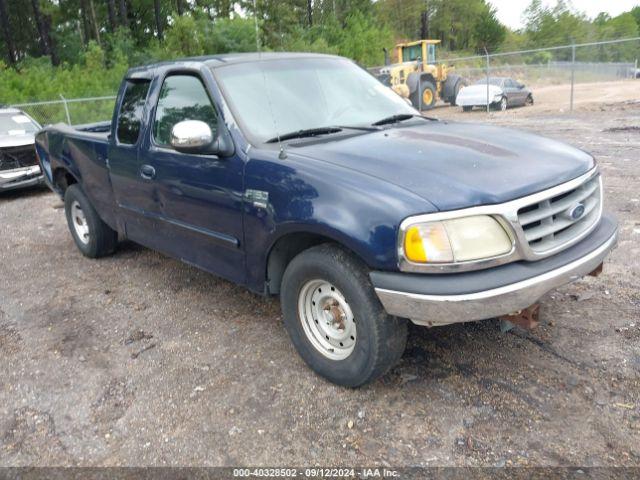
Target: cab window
x,y
431,54
131,110
182,97
409,54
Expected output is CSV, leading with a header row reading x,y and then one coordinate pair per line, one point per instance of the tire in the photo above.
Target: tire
x,y
503,105
529,100
92,236
348,310
467,108
428,90
459,84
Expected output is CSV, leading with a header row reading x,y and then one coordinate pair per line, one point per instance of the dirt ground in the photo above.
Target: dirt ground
x,y
137,359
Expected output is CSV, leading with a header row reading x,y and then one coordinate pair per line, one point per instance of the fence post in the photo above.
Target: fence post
x,y
573,73
420,93
66,109
487,54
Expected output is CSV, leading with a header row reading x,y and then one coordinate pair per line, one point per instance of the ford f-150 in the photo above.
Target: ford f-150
x,y
300,175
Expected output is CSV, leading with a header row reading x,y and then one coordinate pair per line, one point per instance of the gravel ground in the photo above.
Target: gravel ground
x,y
137,359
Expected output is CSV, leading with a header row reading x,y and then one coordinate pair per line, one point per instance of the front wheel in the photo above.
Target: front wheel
x,y
503,104
425,98
529,100
335,319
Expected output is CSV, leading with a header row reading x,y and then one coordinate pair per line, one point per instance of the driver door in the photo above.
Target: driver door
x,y
199,196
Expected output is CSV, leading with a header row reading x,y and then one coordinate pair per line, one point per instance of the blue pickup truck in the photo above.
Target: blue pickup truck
x,y
302,176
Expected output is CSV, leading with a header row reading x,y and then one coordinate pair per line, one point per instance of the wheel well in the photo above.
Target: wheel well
x,y
427,77
62,179
284,250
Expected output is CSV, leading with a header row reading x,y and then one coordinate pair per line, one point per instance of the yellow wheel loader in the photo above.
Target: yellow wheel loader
x,y
418,77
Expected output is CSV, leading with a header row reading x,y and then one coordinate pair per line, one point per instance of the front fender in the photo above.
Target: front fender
x,y
304,195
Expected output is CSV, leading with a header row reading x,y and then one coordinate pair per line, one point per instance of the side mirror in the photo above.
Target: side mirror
x,y
520,85
195,136
191,136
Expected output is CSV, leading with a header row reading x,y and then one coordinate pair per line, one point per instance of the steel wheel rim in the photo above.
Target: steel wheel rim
x,y
79,221
327,319
503,104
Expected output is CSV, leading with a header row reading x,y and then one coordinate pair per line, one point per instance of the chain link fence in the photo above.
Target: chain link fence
x,y
72,111
560,76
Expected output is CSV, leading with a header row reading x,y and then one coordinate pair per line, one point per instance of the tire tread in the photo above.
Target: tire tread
x,y
390,333
103,239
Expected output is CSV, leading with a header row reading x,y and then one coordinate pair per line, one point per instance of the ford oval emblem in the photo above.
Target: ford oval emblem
x,y
576,211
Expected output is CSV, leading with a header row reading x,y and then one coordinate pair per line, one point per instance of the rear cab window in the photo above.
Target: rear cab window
x,y
131,111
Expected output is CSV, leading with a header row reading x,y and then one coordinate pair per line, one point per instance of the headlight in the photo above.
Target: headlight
x,y
456,240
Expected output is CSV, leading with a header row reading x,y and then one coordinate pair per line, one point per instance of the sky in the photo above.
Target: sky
x,y
510,11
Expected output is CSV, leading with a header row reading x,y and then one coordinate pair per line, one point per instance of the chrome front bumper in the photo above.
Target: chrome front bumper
x,y
442,309
21,177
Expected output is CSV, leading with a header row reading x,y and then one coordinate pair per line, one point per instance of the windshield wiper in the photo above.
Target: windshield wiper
x,y
307,132
400,117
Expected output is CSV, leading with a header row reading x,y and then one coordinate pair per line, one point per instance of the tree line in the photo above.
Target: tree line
x,y
70,40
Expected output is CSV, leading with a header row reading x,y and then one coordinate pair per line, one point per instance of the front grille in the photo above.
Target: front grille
x,y
548,225
17,157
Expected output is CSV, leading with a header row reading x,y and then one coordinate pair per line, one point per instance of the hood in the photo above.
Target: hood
x,y
457,165
8,141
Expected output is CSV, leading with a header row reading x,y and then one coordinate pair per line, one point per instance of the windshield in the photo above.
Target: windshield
x,y
16,124
283,96
492,81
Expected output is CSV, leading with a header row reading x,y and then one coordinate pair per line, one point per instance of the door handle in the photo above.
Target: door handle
x,y
147,172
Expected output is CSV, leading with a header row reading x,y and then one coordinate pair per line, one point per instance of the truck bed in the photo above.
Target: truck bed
x,y
81,150
98,131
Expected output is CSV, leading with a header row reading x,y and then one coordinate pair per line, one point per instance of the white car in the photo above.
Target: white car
x,y
504,92
19,166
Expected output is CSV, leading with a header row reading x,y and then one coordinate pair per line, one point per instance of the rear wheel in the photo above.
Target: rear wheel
x,y
335,319
456,91
92,236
